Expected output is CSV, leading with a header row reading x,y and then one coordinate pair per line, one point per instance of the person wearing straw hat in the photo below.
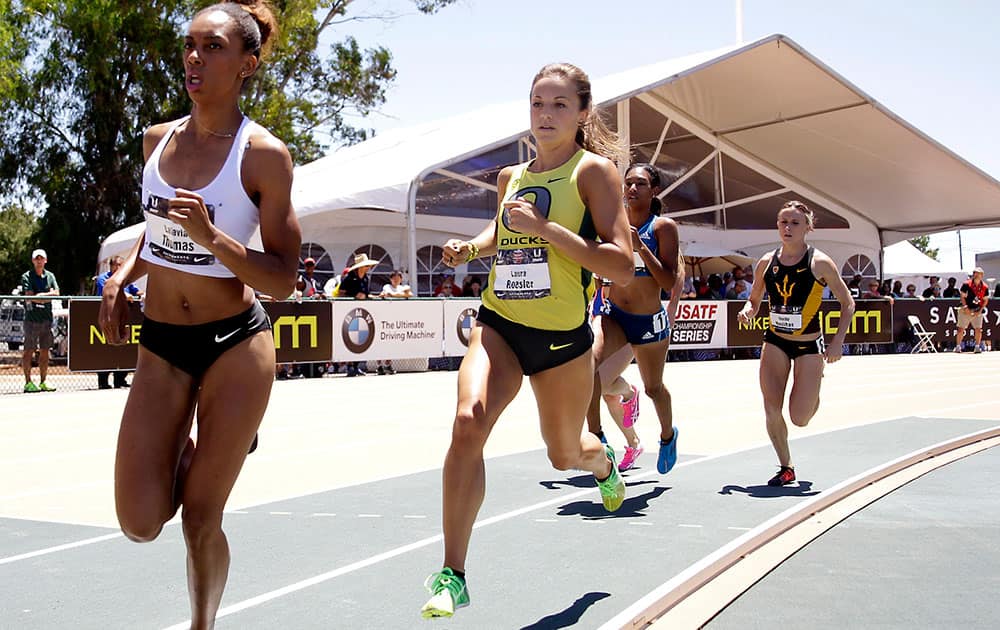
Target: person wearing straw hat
x,y
356,285
356,281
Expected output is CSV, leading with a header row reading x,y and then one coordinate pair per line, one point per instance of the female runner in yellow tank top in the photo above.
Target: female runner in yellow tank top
x,y
533,320
794,276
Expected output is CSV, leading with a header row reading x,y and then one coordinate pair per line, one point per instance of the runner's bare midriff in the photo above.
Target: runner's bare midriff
x,y
175,297
640,297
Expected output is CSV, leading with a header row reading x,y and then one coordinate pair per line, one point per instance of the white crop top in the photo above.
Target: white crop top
x,y
229,208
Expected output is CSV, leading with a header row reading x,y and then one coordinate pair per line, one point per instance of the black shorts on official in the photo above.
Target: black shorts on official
x,y
193,348
537,349
794,349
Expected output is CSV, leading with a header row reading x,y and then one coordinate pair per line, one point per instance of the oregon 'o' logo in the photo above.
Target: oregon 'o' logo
x,y
358,330
539,196
464,325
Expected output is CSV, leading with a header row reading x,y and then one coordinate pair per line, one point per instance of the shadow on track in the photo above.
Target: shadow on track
x,y
632,507
803,489
570,616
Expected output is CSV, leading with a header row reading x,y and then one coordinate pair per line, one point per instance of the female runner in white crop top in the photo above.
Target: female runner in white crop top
x,y
198,293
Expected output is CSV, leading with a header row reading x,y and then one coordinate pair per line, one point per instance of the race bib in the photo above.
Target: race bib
x,y
169,241
522,274
786,322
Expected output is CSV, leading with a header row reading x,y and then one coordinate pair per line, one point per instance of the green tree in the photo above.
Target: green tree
x,y
17,238
923,243
81,79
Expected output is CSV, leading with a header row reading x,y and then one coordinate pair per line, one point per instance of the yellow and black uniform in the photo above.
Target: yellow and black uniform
x,y
537,296
794,295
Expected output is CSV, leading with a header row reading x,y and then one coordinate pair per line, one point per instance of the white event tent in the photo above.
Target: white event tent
x,y
738,132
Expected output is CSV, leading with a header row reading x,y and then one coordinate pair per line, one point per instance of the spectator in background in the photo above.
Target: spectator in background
x,y
133,293
886,289
951,291
688,291
911,292
996,290
392,289
355,284
395,287
934,290
448,288
897,288
873,290
738,274
472,286
739,291
974,296
854,286
308,283
701,289
37,321
715,290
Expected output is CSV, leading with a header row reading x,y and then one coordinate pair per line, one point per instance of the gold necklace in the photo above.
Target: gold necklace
x,y
209,131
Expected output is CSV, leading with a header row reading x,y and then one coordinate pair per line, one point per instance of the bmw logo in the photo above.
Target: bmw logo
x,y
466,322
358,330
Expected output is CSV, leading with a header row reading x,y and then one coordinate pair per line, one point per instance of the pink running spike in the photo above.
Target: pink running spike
x,y
631,408
628,461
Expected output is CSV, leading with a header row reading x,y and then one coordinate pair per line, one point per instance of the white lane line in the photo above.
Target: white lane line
x,y
235,512
645,523
414,516
369,516
324,577
739,529
72,545
280,513
398,551
240,606
546,520
690,525
928,413
323,514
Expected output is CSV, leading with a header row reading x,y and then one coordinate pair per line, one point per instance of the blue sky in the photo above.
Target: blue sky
x,y
933,63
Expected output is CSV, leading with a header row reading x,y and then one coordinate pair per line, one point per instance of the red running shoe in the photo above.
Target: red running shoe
x,y
785,476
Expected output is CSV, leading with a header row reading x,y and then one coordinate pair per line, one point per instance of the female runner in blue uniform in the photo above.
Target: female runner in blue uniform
x,y
206,345
633,315
794,276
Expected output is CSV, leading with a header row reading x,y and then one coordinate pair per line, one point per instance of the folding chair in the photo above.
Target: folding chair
x,y
923,338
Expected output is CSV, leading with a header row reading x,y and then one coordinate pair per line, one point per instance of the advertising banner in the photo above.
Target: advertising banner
x,y
459,319
872,322
386,329
88,350
699,324
940,316
302,333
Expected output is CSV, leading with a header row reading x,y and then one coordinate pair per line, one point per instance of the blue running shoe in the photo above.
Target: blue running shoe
x,y
668,454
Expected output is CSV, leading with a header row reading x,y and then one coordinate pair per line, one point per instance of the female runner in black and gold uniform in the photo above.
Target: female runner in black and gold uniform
x,y
794,276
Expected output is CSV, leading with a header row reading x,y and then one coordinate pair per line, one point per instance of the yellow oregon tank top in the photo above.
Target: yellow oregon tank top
x,y
532,282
